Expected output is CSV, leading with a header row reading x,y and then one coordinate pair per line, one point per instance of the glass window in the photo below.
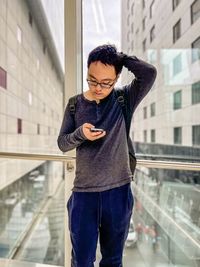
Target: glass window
x,y
152,9
145,136
152,56
175,3
196,135
196,50
143,3
132,9
196,93
30,18
153,109
177,64
144,45
19,34
3,78
177,31
132,27
145,112
178,135
153,136
152,34
177,100
144,23
38,128
195,11
19,126
128,20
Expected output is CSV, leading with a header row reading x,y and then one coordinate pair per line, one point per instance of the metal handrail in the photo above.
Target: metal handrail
x,y
158,164
34,156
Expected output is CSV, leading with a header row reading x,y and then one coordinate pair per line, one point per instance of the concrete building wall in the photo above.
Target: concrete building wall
x,y
162,52
34,92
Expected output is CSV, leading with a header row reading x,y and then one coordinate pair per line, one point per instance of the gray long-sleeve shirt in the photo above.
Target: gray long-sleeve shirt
x,y
104,163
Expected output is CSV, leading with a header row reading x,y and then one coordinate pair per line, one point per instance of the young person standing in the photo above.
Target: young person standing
x,y
101,202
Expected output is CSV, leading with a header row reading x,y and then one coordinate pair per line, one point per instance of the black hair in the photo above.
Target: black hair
x,y
106,54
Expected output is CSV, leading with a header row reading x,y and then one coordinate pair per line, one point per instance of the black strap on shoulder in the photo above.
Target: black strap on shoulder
x,y
124,106
72,104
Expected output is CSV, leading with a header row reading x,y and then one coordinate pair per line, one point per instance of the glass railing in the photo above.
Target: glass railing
x,y
167,213
164,230
32,208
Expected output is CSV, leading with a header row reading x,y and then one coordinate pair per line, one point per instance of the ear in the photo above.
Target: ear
x,y
117,78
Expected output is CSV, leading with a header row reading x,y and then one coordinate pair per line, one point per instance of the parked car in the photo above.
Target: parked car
x,y
131,240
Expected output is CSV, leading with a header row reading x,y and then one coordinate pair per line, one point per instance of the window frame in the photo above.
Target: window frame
x,y
175,38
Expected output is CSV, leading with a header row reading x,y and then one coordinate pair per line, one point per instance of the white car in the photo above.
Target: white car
x,y
131,240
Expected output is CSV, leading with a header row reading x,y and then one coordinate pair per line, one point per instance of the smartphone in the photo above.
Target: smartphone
x,y
93,129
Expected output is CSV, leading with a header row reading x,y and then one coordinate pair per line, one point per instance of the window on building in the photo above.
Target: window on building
x,y
3,78
145,136
19,34
144,45
132,27
44,48
196,92
38,128
177,64
132,45
177,100
128,20
196,135
145,112
144,23
132,9
30,98
152,8
178,135
177,31
195,11
143,3
175,3
152,56
30,18
128,36
153,136
19,126
196,50
153,109
152,34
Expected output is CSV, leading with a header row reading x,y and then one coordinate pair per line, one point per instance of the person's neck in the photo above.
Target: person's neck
x,y
88,96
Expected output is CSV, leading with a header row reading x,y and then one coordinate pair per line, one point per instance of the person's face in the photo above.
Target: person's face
x,y
101,79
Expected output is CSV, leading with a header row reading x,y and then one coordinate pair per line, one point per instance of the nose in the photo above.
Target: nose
x,y
98,87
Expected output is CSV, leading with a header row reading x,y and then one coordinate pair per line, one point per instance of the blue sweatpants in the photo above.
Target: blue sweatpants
x,y
99,214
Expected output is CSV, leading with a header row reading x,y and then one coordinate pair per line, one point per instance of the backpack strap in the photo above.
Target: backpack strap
x,y
72,104
121,98
124,106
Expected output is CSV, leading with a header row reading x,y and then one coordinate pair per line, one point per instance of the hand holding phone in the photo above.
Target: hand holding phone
x,y
92,133
94,130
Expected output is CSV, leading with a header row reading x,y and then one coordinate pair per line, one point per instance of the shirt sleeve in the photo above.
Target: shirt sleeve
x,y
145,75
69,137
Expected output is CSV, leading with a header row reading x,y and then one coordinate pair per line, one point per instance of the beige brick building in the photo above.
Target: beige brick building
x,y
166,33
31,85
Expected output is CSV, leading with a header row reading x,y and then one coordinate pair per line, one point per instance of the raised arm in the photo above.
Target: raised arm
x,y
145,75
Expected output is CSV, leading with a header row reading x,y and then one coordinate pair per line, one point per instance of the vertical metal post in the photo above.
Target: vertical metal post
x,y
73,85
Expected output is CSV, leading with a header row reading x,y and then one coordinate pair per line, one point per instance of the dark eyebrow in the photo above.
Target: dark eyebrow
x,y
106,79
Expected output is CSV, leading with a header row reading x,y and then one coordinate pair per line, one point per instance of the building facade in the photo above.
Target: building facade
x,y
31,85
166,34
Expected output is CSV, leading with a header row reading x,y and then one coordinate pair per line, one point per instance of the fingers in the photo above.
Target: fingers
x,y
92,135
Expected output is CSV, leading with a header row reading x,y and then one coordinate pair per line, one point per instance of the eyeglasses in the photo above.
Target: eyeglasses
x,y
102,85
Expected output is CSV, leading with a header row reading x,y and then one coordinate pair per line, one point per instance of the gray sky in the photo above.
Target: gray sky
x,y
101,24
